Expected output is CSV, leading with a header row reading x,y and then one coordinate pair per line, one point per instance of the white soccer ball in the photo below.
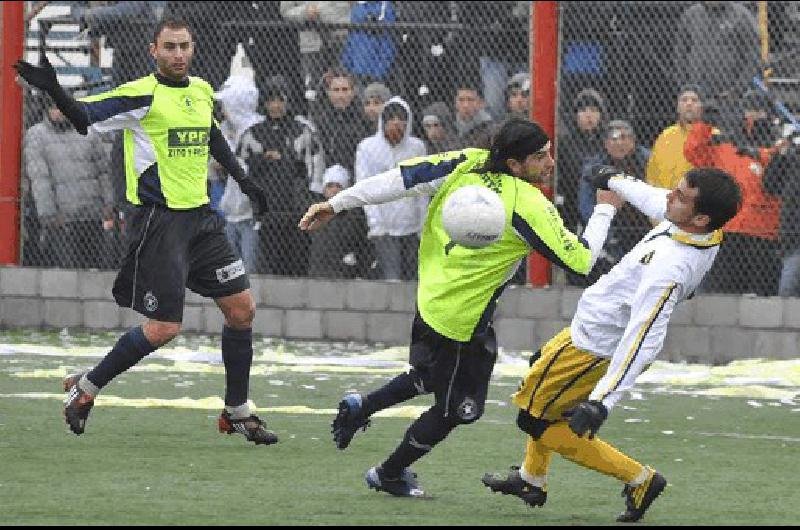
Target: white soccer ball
x,y
474,216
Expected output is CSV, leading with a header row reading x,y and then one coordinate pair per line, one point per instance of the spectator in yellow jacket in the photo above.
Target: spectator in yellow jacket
x,y
667,163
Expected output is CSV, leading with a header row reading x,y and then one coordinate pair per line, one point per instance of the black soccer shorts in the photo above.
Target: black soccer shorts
x,y
169,250
457,373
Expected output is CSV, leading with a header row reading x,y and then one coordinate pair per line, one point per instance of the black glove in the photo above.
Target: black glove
x,y
42,77
256,194
587,416
712,115
749,150
601,175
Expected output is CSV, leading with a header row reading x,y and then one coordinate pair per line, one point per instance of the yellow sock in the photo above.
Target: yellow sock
x,y
537,462
594,454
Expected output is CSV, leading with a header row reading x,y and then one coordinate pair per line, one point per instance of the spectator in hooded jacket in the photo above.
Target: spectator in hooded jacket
x,y
393,227
72,191
239,102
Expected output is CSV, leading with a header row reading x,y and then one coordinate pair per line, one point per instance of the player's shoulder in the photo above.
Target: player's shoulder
x,y
201,84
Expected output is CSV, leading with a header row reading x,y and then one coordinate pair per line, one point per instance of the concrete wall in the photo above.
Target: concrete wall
x,y
711,329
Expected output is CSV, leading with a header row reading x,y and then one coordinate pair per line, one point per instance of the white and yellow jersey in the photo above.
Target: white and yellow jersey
x,y
624,315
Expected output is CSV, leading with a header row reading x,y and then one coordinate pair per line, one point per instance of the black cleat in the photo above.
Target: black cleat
x,y
639,498
253,428
405,485
513,484
77,405
348,420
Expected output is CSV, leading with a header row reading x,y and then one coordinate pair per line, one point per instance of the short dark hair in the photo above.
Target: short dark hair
x,y
719,196
468,84
516,139
394,110
171,23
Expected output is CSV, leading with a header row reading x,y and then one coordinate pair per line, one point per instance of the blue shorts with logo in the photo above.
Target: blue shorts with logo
x,y
170,250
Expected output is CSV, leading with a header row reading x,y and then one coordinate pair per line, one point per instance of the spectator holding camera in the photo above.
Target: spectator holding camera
x,y
748,260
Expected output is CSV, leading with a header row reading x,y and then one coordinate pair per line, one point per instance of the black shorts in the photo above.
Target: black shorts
x,y
458,373
169,250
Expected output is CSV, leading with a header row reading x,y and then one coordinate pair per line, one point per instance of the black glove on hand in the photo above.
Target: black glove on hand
x,y
587,416
601,175
42,77
712,115
256,194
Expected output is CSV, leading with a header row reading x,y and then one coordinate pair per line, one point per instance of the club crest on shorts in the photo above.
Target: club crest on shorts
x,y
150,301
468,409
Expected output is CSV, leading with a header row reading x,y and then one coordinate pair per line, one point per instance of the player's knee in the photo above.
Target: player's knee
x,y
160,333
241,315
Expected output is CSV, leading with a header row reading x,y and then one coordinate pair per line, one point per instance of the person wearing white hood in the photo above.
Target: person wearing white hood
x,y
393,227
239,100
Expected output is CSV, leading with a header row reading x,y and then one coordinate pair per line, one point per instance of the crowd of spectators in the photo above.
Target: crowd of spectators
x,y
337,95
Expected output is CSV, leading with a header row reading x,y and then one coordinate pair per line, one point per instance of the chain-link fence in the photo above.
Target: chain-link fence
x,y
314,96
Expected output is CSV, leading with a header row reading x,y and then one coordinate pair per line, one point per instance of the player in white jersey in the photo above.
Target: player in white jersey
x,y
617,331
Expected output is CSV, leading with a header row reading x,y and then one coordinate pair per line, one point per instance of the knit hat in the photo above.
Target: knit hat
x,y
377,91
336,175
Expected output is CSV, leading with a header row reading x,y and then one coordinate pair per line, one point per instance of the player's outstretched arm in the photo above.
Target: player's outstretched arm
x,y
648,199
44,78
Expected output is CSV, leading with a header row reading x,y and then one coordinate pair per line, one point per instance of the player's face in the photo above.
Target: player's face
x,y
537,167
173,52
681,207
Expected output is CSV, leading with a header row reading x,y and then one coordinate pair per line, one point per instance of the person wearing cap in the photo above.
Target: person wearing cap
x,y
373,98
582,138
453,345
342,252
748,261
393,227
238,100
268,149
621,151
439,129
72,190
518,92
668,164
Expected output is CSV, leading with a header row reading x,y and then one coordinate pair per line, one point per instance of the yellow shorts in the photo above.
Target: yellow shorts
x,y
562,377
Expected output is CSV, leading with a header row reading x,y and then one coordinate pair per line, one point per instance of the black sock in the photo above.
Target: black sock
x,y
427,431
237,355
131,348
399,389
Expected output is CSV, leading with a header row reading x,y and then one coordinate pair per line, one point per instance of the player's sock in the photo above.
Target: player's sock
x,y
594,454
131,348
400,389
537,462
237,356
426,431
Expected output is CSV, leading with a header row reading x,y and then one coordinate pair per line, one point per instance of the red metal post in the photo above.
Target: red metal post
x,y
544,72
13,34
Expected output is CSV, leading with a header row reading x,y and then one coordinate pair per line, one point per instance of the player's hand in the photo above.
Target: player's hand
x,y
42,77
609,197
587,416
316,216
601,175
256,194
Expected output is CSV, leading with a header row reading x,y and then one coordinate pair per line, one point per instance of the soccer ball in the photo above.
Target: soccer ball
x,y
474,216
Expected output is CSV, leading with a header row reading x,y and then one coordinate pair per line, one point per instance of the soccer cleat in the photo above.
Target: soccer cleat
x,y
639,498
513,484
77,405
253,428
348,420
405,485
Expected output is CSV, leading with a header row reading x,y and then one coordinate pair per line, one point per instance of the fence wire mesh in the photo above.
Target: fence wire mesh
x,y
314,96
